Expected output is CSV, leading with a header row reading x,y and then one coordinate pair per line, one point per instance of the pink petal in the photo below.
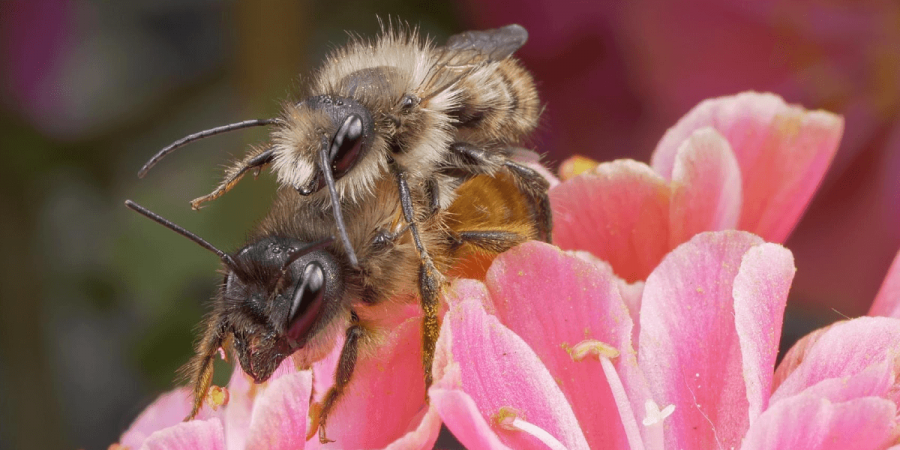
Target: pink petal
x,y
706,187
494,367
844,350
887,302
631,292
760,294
876,380
795,356
553,301
280,412
423,437
783,152
463,419
807,422
689,349
619,212
193,435
386,394
168,410
242,393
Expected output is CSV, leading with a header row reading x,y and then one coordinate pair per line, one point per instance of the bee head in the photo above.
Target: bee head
x,y
348,135
280,295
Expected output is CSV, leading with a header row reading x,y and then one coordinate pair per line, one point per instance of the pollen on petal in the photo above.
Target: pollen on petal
x,y
217,396
592,347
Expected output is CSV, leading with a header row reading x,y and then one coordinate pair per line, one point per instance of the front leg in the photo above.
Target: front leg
x,y
430,280
346,364
256,159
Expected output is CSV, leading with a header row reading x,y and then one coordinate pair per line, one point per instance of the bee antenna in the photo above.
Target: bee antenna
x,y
335,202
225,257
203,134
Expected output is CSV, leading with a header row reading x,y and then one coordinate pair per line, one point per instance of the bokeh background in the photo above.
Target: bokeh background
x,y
98,305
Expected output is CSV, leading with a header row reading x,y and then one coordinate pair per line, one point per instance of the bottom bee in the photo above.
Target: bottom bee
x,y
292,290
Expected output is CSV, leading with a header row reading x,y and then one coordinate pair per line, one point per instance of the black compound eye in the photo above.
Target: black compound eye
x,y
409,101
346,145
307,302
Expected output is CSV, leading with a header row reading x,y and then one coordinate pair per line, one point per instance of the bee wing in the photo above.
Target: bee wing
x,y
465,52
492,45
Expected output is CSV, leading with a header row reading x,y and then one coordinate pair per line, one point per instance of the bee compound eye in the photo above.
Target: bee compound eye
x,y
306,302
346,145
409,101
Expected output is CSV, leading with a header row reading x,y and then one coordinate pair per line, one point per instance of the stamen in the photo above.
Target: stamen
x,y
594,348
654,415
509,419
604,353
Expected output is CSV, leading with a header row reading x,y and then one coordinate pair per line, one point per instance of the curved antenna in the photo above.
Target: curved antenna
x,y
335,202
200,135
225,257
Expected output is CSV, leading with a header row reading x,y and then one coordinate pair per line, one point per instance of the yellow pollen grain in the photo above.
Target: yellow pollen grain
x,y
505,417
216,397
575,166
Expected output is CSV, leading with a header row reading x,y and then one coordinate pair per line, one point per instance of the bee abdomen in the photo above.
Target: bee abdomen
x,y
498,102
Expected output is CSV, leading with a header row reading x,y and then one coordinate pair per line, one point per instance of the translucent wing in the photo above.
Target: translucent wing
x,y
467,51
492,45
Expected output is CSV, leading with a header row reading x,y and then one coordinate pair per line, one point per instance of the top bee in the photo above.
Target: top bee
x,y
400,107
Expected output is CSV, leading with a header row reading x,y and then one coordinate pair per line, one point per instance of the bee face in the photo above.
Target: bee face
x,y
278,299
340,127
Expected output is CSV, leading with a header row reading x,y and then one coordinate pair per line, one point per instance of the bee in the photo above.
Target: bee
x,y
291,291
401,111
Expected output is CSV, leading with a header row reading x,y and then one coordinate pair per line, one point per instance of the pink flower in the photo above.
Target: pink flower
x,y
749,162
383,407
557,350
544,353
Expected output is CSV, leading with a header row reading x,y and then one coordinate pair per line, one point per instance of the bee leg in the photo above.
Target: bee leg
x,y
476,160
536,188
491,241
434,196
346,364
255,160
473,160
430,281
200,368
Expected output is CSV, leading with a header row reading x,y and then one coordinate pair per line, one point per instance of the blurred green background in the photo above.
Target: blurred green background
x,y
98,306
